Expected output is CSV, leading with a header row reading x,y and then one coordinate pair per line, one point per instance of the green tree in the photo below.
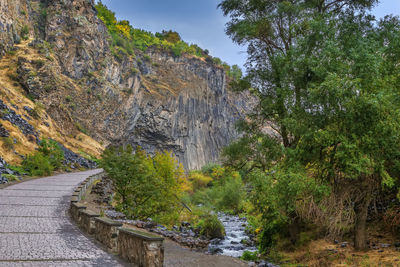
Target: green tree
x,y
145,186
354,142
326,79
275,194
236,72
170,36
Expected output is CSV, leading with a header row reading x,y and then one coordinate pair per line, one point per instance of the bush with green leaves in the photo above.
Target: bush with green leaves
x,y
231,194
53,152
211,227
37,165
275,194
199,180
218,189
145,186
24,32
249,256
48,158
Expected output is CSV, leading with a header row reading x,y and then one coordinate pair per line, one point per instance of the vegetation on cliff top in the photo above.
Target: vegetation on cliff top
x,y
126,40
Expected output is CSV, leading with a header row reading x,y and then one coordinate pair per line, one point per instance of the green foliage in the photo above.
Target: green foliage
x,y
11,53
145,186
199,180
249,256
37,165
10,177
15,168
45,48
134,70
89,157
50,149
279,190
169,36
125,39
217,188
231,195
37,110
217,61
49,157
327,85
234,72
211,227
24,32
209,168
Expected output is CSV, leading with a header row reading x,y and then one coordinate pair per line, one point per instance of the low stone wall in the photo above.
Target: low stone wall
x,y
107,232
141,248
87,222
138,248
75,211
83,187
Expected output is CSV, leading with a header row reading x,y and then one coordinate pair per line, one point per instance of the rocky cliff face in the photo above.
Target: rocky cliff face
x,y
157,101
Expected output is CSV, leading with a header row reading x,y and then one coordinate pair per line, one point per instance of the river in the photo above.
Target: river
x,y
236,240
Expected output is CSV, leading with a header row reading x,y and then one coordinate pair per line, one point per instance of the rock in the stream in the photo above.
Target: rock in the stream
x,y
214,250
216,241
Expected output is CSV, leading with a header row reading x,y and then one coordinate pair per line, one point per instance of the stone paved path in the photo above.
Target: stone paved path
x,y
177,256
35,229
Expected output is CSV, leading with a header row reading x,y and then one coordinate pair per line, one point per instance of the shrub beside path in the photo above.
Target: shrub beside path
x,y
35,229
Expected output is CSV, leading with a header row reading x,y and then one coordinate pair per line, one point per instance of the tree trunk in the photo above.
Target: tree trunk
x,y
294,230
360,231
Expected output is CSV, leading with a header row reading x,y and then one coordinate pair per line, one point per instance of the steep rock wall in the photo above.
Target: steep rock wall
x,y
157,101
9,28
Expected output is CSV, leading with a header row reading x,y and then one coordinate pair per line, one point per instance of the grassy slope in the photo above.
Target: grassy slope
x,y
323,252
11,92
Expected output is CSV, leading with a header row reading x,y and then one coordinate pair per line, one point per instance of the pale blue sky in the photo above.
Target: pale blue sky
x,y
199,22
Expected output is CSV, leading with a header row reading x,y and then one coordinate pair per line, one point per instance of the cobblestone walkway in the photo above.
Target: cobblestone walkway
x,y
35,229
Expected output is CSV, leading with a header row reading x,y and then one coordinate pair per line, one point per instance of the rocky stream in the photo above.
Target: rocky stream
x,y
236,240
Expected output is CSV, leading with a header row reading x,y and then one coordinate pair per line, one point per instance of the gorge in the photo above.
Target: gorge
x,y
157,100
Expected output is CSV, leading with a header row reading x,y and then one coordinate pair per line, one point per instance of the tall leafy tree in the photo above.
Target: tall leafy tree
x,y
326,77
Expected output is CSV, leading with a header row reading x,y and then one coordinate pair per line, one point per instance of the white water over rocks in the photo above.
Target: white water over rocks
x,y
236,240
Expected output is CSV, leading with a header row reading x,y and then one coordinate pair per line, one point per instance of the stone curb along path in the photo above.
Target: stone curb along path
x,y
35,229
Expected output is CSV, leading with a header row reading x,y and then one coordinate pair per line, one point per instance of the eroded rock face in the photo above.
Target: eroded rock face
x,y
14,16
8,30
156,101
